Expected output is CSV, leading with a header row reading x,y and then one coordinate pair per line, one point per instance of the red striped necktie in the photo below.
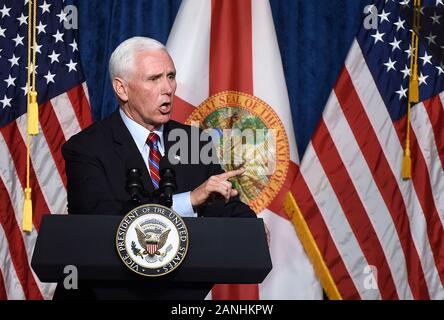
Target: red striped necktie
x,y
154,158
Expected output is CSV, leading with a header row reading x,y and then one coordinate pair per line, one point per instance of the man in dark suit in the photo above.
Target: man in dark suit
x,y
98,158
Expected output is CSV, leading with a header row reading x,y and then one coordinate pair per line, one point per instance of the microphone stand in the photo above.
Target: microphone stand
x,y
134,186
167,184
162,196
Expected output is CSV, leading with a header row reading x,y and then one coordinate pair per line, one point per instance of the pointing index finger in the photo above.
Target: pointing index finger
x,y
233,173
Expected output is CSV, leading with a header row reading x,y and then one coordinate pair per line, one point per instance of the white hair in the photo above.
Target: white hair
x,y
121,62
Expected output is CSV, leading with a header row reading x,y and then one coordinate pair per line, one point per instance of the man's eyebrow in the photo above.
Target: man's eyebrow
x,y
158,75
155,75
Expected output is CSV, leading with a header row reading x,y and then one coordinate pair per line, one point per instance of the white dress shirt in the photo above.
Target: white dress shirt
x,y
182,201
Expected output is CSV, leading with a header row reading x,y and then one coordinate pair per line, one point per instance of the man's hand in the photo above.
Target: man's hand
x,y
215,184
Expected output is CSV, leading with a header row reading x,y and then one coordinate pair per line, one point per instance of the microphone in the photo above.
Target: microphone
x,y
134,185
167,181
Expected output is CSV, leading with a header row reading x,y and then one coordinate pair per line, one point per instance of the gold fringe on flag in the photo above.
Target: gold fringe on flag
x,y
33,112
291,208
413,88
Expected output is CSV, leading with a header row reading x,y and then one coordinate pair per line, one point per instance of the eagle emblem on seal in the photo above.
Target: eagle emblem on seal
x,y
152,240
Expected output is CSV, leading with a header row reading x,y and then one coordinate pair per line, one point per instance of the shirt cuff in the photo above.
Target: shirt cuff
x,y
182,204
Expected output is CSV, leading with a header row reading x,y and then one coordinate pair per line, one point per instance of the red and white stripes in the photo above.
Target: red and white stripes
x,y
352,170
60,118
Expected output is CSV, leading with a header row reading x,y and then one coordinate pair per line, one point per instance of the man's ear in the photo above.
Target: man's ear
x,y
120,88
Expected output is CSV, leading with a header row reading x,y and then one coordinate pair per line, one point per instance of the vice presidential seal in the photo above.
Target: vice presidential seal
x,y
152,240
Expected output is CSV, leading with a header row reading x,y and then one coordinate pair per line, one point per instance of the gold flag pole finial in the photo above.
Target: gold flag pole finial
x,y
33,112
413,89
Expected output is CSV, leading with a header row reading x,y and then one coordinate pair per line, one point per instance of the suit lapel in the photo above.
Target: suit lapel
x,y
180,168
166,143
127,151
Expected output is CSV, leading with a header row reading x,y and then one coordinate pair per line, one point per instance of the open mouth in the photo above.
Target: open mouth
x,y
165,107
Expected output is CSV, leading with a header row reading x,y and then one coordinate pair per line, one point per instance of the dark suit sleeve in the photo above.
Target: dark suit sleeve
x,y
88,188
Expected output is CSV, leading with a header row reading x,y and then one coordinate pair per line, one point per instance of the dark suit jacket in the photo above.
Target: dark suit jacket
x,y
98,158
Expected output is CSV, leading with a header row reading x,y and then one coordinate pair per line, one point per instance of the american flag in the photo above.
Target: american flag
x,y
381,237
63,111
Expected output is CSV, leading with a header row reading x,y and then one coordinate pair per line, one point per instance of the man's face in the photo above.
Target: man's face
x,y
149,89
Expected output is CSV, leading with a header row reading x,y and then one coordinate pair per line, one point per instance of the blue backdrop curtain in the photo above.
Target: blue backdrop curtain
x,y
314,38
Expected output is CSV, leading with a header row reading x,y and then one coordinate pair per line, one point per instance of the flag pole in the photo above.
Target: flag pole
x,y
32,113
293,211
413,89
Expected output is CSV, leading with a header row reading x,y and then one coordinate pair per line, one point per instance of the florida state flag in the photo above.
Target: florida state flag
x,y
230,77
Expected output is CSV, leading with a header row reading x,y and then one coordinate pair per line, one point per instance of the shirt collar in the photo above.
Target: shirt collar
x,y
140,133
